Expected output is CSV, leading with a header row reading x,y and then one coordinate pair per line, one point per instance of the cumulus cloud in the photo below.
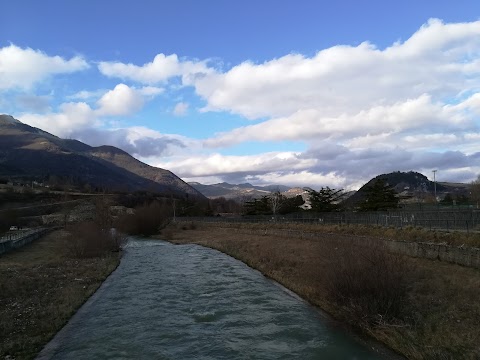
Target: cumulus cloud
x,y
343,168
161,69
217,164
234,167
22,68
74,117
412,115
180,109
124,100
439,60
70,117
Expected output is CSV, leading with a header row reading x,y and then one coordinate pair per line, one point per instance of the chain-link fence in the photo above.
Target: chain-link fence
x,y
448,220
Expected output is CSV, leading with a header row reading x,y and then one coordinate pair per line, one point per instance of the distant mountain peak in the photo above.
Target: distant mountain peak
x,y
236,191
8,119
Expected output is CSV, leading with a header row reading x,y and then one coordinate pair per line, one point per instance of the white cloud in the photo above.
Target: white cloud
x,y
439,60
419,114
150,91
302,179
180,109
71,116
161,69
339,167
79,117
124,100
217,164
23,68
87,95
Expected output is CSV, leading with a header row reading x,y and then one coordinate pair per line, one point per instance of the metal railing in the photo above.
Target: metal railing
x,y
17,234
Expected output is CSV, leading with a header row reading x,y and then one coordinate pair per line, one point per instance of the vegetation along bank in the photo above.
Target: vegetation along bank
x,y
44,283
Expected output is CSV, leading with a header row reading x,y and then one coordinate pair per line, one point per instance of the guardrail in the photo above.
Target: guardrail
x,y
16,239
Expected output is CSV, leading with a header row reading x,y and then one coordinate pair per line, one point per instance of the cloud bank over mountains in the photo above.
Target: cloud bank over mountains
x,y
357,111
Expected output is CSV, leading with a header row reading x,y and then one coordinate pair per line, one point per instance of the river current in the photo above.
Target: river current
x,y
169,301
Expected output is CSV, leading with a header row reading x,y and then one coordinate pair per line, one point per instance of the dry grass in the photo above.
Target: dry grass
x,y
40,289
456,238
367,281
439,309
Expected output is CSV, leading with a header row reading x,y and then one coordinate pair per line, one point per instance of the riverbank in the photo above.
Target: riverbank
x,y
41,287
440,312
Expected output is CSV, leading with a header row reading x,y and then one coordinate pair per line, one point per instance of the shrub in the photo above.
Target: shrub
x,y
87,239
147,220
368,282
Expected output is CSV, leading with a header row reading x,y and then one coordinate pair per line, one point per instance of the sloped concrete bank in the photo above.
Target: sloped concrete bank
x,y
460,255
466,256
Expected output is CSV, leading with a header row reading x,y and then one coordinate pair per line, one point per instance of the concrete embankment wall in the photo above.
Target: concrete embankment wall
x,y
8,245
466,256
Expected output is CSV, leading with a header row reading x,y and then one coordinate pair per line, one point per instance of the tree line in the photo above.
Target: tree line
x,y
379,196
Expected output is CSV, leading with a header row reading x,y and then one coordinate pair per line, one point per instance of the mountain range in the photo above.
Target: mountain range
x,y
30,153
411,187
233,191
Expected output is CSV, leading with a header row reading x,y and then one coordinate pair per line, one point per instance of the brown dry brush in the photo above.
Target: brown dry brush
x,y
369,283
147,220
87,239
95,238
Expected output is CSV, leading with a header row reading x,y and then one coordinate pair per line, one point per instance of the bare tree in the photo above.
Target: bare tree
x,y
103,217
275,202
475,190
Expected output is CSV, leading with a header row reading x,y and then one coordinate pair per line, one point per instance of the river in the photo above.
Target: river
x,y
169,301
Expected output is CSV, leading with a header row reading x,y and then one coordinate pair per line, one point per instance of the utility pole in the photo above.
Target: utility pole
x,y
435,184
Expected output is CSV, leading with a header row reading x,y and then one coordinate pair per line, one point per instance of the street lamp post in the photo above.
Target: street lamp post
x,y
435,185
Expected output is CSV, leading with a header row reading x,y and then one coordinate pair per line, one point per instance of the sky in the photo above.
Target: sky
x,y
299,93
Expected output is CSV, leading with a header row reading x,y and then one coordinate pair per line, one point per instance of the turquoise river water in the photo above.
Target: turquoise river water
x,y
169,301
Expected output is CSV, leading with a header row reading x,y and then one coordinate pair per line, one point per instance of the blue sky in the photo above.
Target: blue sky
x,y
303,93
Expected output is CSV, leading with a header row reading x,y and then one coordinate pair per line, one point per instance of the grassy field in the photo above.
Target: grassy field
x,y
434,312
41,286
408,233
